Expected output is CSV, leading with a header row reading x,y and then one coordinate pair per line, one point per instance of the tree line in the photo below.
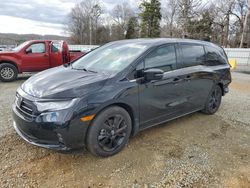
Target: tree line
x,y
225,22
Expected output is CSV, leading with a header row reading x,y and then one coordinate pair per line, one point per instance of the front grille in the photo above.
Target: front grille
x,y
25,107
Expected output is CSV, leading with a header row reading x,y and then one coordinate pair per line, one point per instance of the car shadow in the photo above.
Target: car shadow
x,y
24,76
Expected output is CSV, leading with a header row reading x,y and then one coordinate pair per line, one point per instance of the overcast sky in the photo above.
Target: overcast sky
x,y
38,16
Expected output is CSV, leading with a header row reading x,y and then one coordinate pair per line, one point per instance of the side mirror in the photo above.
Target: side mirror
x,y
28,51
153,74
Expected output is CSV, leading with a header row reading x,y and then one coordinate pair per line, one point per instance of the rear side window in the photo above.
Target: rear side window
x,y
192,54
214,56
56,47
163,58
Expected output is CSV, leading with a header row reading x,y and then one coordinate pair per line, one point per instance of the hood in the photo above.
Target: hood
x,y
63,82
6,52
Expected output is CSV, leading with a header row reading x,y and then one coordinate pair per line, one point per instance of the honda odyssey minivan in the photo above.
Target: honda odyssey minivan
x,y
103,98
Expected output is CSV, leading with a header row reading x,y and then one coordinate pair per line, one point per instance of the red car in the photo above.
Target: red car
x,y
34,56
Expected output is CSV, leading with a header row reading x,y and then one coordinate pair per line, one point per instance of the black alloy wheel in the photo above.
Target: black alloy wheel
x,y
113,133
109,132
214,101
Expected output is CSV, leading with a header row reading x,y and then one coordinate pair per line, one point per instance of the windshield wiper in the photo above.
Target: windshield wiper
x,y
89,70
84,69
66,64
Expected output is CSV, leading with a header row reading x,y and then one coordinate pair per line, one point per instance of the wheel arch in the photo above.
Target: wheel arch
x,y
10,62
129,109
222,88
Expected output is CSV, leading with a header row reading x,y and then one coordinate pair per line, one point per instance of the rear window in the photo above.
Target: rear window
x,y
193,54
214,56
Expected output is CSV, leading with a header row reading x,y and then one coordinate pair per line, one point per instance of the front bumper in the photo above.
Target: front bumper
x,y
37,142
225,90
66,136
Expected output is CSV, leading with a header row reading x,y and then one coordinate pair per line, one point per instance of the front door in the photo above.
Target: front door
x,y
166,98
35,57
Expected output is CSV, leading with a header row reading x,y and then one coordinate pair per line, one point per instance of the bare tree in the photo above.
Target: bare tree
x,y
245,26
83,19
227,10
76,25
95,14
240,11
222,11
121,14
187,10
226,22
169,15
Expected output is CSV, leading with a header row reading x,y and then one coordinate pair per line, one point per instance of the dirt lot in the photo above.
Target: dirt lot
x,y
194,151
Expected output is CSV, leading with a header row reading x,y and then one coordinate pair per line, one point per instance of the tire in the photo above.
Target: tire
x,y
213,101
105,137
8,72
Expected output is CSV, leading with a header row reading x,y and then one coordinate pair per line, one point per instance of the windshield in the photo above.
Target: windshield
x,y
18,48
110,58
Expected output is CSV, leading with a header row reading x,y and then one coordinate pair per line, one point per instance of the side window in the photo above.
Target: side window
x,y
37,48
163,58
214,56
192,54
139,70
56,47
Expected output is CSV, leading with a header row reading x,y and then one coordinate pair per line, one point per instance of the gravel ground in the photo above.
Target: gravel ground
x,y
193,151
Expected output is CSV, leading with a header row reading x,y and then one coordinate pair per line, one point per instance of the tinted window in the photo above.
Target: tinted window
x,y
192,54
214,56
37,48
163,58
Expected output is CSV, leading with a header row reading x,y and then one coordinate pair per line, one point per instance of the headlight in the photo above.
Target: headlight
x,y
55,105
58,117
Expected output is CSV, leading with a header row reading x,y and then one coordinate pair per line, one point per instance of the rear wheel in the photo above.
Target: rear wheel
x,y
8,72
109,132
214,101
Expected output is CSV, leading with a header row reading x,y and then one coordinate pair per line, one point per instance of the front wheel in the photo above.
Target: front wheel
x,y
8,72
214,101
109,132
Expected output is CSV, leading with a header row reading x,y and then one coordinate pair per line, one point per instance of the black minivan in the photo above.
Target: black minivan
x,y
101,99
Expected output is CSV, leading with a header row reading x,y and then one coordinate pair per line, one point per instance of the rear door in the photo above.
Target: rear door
x,y
198,77
56,57
36,57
